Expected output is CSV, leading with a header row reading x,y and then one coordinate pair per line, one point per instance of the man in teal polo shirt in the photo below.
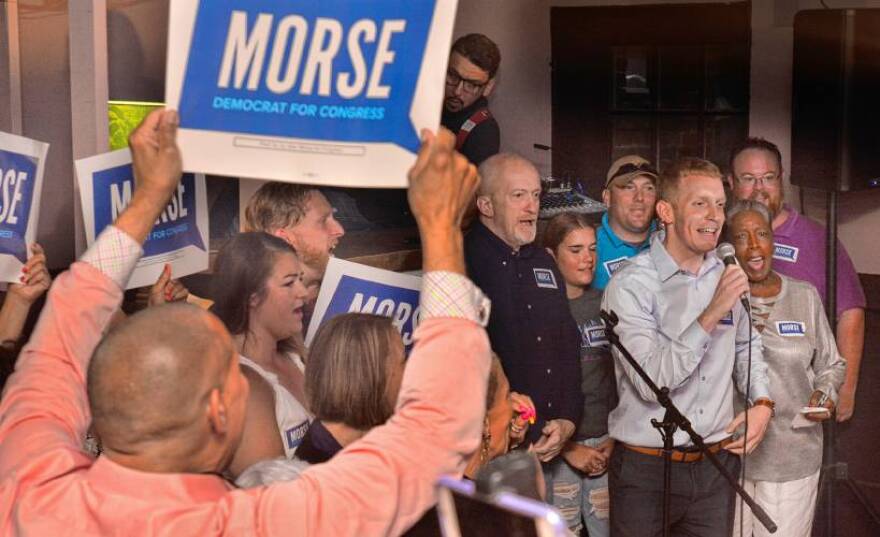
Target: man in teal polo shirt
x,y
630,194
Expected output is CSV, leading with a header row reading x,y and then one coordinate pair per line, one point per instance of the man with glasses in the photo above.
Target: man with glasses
x,y
630,194
756,174
470,79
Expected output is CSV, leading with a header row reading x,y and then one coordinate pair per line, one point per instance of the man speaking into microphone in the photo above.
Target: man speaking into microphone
x,y
682,319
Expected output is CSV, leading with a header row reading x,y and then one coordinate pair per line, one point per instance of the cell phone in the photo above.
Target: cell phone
x,y
463,512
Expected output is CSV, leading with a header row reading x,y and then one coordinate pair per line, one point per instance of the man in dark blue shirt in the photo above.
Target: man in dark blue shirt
x,y
530,327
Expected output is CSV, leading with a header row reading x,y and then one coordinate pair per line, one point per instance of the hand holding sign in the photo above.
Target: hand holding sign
x,y
155,156
167,290
35,279
157,171
441,184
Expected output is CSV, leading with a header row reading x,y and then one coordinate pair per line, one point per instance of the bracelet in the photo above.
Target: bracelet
x,y
769,403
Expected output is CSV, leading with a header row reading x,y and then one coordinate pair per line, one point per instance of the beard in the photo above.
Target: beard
x,y
314,259
773,206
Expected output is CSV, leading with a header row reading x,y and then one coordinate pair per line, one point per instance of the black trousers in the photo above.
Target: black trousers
x,y
701,504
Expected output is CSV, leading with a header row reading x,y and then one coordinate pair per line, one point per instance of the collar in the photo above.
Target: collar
x,y
185,488
318,445
499,246
323,440
618,242
466,113
666,265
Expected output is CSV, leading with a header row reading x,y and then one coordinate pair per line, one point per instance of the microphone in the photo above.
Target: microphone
x,y
727,254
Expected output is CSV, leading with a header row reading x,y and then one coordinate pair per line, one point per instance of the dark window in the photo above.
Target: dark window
x,y
659,81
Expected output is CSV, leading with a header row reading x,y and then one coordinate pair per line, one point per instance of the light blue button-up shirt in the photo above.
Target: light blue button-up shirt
x,y
658,304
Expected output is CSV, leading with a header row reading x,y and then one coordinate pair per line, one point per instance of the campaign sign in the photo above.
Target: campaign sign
x,y
22,162
354,288
179,236
332,92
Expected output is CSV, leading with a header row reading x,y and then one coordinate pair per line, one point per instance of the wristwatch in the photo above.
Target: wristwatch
x,y
769,403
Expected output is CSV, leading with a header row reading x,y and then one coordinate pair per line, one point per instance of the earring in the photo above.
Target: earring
x,y
486,443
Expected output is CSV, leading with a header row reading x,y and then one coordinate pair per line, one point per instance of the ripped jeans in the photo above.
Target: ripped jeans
x,y
582,500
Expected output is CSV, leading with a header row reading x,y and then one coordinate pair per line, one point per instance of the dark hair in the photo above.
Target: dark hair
x,y
349,365
479,50
754,142
241,270
495,372
681,168
561,225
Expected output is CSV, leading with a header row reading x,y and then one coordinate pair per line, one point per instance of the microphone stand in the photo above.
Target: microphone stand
x,y
672,420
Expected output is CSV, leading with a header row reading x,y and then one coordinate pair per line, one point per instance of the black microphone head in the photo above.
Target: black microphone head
x,y
726,253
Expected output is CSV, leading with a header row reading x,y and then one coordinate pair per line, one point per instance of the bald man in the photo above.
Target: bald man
x,y
168,398
531,327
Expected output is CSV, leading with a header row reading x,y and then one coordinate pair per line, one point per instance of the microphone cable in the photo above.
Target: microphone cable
x,y
742,477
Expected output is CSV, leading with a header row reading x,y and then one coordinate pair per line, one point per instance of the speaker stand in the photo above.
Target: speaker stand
x,y
833,471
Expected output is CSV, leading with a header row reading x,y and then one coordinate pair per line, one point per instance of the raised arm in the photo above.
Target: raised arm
x,y
44,408
35,280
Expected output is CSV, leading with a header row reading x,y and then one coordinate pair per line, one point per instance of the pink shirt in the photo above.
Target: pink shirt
x,y
379,485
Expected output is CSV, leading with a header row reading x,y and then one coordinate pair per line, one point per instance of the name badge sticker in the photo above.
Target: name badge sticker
x,y
612,265
295,435
545,278
791,328
595,336
784,252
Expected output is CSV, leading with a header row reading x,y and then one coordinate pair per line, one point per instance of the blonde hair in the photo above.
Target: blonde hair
x,y
277,205
682,168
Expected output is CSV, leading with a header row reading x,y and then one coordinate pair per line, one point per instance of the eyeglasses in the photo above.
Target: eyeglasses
x,y
629,168
768,179
453,79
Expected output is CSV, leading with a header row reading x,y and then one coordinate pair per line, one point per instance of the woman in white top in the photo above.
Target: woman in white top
x,y
259,295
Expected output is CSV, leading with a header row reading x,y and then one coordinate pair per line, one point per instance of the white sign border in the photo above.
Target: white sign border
x,y
37,150
218,153
191,259
336,269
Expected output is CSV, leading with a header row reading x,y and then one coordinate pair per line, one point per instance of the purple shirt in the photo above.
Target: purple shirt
x,y
800,253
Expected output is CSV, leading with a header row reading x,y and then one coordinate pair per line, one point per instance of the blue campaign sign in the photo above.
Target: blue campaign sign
x,y
18,177
334,70
177,225
365,296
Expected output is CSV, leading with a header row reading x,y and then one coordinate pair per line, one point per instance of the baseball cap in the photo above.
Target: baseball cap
x,y
629,167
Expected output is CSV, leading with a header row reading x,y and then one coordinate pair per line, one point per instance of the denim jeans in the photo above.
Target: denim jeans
x,y
581,499
701,502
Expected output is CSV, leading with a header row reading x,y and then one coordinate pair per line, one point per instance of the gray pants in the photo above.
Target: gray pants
x,y
701,504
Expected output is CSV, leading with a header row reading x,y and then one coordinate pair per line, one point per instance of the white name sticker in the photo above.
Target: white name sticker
x,y
784,252
791,328
545,278
612,265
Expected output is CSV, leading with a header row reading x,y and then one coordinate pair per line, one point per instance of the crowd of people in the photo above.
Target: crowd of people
x,y
219,420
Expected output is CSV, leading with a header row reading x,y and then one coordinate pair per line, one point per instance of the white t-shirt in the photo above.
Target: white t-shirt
x,y
292,417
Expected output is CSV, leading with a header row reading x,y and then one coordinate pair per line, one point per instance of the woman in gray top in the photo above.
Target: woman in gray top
x,y
577,481
804,368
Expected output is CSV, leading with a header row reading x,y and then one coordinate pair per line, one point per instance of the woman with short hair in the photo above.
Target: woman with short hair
x,y
805,369
355,369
